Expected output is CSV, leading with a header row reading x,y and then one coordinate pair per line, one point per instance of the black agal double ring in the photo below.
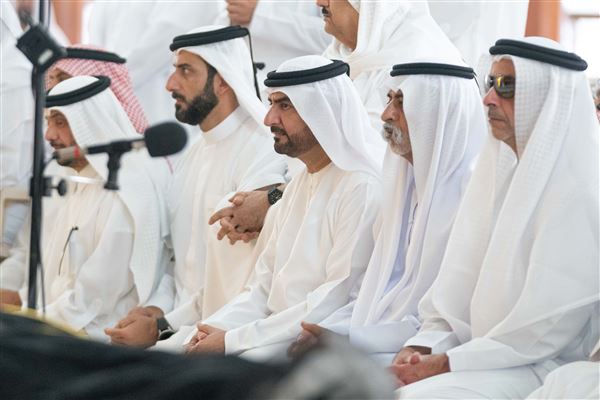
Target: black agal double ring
x,y
202,38
424,68
91,54
559,58
291,78
80,94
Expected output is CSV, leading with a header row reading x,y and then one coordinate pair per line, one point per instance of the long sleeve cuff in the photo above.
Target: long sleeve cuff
x,y
186,314
233,342
437,341
384,338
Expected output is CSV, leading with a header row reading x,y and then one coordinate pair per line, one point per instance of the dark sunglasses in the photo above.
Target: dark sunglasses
x,y
503,85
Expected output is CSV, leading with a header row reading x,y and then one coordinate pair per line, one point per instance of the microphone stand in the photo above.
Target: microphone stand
x,y
39,47
113,164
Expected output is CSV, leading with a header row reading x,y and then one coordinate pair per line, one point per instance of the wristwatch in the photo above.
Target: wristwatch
x,y
274,195
165,330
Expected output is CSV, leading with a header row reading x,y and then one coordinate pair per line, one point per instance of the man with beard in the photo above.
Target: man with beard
x,y
102,249
319,239
232,153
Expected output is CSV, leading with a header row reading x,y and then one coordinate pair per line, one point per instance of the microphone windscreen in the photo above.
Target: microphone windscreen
x,y
165,139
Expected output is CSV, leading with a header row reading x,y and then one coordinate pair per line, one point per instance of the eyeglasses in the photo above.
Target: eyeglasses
x,y
504,86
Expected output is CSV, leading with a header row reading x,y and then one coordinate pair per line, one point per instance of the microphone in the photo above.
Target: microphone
x,y
161,140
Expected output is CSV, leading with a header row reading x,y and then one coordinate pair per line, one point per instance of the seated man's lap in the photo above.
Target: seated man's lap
x,y
507,383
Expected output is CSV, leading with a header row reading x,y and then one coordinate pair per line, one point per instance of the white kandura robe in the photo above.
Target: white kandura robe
x,y
383,339
319,247
87,245
141,32
16,123
284,30
236,155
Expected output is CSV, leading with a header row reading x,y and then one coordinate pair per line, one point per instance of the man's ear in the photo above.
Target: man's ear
x,y
221,87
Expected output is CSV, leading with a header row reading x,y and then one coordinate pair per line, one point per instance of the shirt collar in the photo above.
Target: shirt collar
x,y
87,172
227,127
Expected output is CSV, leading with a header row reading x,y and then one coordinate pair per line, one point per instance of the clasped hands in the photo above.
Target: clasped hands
x,y
207,339
244,219
413,364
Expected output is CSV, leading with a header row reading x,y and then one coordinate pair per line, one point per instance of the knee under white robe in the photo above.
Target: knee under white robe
x,y
236,155
319,246
578,380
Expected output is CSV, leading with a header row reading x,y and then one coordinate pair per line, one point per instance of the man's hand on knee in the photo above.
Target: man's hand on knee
x,y
138,330
307,339
208,339
424,366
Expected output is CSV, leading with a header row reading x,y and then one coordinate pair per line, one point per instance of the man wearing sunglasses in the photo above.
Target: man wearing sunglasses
x,y
501,102
517,292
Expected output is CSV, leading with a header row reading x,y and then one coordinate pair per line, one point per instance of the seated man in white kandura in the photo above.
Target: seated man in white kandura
x,y
231,151
435,126
102,250
518,290
320,237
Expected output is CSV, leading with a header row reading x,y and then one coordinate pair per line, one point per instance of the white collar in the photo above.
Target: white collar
x,y
227,127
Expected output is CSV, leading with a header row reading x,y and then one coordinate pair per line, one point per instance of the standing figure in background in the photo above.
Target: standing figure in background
x,y
280,29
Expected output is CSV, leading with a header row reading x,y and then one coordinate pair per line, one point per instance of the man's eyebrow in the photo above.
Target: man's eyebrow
x,y
280,100
182,65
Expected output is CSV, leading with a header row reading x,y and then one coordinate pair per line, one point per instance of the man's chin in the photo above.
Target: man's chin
x,y
282,148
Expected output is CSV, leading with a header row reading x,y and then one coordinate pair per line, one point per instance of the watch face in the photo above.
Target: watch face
x,y
165,334
274,195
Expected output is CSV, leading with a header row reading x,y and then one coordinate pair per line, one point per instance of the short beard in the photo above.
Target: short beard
x,y
200,106
396,139
295,145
